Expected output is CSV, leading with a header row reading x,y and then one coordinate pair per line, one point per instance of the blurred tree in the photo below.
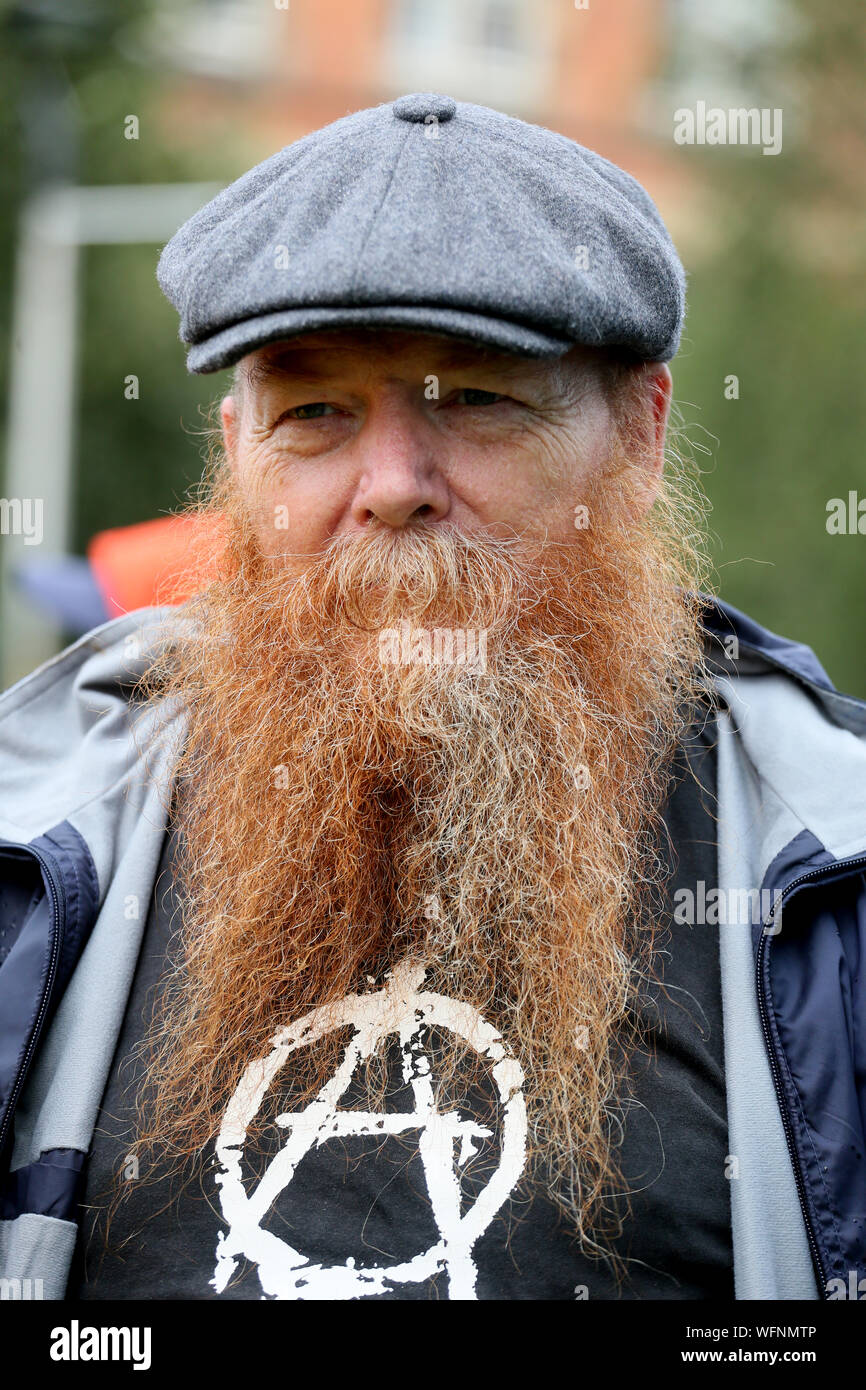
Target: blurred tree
x,y
782,307
73,74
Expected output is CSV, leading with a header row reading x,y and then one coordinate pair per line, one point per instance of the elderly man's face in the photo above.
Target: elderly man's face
x,y
332,431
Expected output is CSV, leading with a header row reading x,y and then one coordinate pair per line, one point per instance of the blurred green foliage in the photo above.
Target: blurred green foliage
x,y
792,441
782,305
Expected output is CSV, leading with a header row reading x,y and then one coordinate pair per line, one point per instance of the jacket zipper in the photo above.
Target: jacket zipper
x,y
827,870
52,882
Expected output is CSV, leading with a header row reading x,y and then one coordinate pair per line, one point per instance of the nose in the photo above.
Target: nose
x,y
400,474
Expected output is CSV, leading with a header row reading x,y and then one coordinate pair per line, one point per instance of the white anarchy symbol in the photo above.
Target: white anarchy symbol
x,y
400,1008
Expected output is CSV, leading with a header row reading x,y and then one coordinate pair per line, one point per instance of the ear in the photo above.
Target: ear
x,y
661,385
230,416
657,389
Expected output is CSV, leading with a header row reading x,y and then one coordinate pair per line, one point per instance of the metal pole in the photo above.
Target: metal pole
x,y
40,453
42,391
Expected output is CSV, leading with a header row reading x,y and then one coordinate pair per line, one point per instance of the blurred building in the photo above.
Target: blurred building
x,y
609,75
276,73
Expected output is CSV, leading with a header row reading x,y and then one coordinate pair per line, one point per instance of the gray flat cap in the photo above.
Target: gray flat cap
x,y
435,215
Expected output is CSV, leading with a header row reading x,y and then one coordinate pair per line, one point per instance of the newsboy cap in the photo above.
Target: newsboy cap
x,y
430,214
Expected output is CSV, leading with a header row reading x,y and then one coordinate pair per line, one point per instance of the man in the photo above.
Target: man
x,y
403,918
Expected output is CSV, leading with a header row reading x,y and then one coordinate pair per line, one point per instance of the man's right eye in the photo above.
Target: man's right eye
x,y
313,411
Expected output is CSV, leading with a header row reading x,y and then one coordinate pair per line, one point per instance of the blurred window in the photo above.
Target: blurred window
x,y
492,51
216,38
499,25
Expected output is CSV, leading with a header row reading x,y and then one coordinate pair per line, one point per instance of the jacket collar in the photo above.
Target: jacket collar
x,y
802,743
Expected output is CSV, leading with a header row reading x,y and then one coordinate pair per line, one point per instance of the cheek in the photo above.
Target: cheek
x,y
290,513
572,469
593,433
590,443
255,483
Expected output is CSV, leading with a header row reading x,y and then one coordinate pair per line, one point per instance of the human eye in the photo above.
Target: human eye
x,y
314,410
472,396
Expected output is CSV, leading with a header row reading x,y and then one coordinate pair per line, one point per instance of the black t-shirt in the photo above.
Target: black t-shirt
x,y
336,1203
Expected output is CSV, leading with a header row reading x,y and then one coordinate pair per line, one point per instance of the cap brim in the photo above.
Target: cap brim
x,y
228,346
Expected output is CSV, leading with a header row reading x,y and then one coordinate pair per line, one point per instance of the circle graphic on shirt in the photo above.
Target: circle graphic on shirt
x,y
401,1008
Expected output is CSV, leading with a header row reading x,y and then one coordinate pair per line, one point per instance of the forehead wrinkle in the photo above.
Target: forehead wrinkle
x,y
293,363
263,373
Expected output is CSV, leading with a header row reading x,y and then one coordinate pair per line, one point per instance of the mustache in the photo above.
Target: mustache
x,y
360,579
429,596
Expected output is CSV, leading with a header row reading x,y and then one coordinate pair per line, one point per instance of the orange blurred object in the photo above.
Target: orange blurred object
x,y
155,562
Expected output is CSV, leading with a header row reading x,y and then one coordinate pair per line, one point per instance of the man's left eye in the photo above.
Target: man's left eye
x,y
475,397
314,410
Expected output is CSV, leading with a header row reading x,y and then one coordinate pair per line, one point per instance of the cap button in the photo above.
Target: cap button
x,y
424,106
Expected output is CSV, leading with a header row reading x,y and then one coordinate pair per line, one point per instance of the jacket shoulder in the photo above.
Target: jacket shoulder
x,y
68,729
722,621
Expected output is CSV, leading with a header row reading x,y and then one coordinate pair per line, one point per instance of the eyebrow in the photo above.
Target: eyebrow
x,y
481,357
274,368
286,363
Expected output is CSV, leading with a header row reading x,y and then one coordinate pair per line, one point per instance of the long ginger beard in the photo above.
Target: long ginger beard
x,y
342,811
